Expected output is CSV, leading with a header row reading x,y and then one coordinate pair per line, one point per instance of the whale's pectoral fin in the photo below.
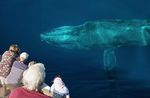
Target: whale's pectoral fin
x,y
145,35
109,59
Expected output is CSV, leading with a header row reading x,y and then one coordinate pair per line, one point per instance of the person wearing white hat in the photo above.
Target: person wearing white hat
x,y
17,69
23,56
58,88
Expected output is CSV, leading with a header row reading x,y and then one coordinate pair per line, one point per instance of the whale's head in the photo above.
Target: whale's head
x,y
65,37
87,36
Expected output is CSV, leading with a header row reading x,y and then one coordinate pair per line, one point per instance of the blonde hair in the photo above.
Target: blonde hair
x,y
34,76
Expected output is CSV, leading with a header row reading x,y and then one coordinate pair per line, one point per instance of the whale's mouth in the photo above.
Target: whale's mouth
x,y
55,34
60,41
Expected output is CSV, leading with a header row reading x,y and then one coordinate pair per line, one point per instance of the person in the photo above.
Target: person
x,y
7,60
58,88
44,88
13,80
15,76
33,77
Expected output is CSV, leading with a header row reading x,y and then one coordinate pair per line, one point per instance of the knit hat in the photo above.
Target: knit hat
x,y
59,86
24,55
58,81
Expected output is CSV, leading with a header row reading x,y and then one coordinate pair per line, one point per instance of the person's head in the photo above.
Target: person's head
x,y
31,63
58,81
34,76
23,56
14,48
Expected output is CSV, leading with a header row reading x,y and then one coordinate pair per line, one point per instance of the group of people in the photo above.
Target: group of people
x,y
21,80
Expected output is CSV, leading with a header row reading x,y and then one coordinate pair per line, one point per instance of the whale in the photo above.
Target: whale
x,y
106,34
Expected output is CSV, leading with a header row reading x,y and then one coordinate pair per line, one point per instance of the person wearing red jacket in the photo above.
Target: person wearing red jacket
x,y
33,78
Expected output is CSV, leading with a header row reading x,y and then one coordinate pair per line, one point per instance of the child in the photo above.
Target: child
x,y
58,88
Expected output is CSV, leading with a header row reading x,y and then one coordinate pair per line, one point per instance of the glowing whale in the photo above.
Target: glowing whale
x,y
106,34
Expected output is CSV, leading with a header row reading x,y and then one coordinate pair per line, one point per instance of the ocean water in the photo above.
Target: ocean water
x,y
22,22
85,77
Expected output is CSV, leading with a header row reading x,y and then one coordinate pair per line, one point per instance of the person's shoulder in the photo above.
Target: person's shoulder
x,y
52,88
45,86
18,89
15,92
6,52
15,62
66,90
39,94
